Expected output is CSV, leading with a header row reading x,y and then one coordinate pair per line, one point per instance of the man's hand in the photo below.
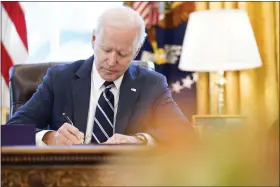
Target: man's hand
x,y
67,134
123,139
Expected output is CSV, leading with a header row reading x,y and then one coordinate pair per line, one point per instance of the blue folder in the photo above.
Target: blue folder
x,y
18,135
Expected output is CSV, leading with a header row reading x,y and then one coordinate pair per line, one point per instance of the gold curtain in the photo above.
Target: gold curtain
x,y
253,93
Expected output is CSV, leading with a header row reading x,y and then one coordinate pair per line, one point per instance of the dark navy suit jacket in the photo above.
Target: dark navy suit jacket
x,y
66,89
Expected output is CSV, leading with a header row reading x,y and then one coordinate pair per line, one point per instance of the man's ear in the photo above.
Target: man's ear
x,y
93,40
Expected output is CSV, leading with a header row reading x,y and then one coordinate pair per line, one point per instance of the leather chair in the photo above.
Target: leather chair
x,y
25,78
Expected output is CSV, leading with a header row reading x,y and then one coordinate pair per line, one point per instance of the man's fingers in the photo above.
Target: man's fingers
x,y
74,131
71,137
82,136
119,139
68,134
110,141
71,133
61,140
128,139
133,139
122,139
68,142
65,141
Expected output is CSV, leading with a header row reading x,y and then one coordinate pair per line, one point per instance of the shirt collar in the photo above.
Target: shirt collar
x,y
98,81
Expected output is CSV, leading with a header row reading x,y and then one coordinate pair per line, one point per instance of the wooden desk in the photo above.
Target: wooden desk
x,y
109,165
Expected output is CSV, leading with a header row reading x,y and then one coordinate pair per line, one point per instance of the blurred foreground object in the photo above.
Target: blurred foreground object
x,y
234,158
219,40
232,155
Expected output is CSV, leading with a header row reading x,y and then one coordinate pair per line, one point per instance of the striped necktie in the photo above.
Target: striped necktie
x,y
103,126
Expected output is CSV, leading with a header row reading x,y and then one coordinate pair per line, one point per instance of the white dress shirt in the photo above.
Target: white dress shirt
x,y
97,88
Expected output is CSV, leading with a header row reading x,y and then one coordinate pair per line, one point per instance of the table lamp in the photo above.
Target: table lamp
x,y
218,41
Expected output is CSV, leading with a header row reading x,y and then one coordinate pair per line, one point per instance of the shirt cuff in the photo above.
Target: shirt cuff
x,y
150,140
39,138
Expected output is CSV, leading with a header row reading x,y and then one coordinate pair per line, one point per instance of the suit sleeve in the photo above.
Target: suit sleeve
x,y
37,110
170,124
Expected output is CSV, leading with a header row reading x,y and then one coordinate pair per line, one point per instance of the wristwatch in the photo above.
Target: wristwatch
x,y
142,138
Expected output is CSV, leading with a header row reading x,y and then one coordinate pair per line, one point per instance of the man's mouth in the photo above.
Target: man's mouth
x,y
110,71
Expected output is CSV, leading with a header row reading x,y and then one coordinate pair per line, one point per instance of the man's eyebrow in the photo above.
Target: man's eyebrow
x,y
104,45
119,50
126,52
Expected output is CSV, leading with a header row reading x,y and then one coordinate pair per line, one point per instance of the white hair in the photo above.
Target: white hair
x,y
124,17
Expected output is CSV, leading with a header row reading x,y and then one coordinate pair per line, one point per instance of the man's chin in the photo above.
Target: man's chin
x,y
110,77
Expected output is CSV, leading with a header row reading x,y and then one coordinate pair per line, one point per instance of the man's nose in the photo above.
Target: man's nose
x,y
112,59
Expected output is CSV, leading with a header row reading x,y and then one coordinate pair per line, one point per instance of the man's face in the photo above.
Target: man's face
x,y
114,50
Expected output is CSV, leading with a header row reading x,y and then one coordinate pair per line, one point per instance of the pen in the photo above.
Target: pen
x,y
67,119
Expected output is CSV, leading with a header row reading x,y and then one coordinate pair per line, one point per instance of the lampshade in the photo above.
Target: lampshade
x,y
219,40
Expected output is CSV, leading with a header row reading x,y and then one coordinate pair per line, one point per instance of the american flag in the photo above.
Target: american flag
x,y
14,45
149,11
166,40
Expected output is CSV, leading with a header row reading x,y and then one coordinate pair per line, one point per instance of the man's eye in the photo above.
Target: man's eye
x,y
122,54
107,50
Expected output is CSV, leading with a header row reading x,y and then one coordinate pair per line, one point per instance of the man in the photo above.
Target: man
x,y
105,99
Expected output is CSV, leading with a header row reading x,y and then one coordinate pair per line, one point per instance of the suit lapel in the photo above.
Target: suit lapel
x,y
81,94
129,92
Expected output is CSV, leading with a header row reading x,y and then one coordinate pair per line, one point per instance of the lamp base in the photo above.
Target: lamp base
x,y
221,81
